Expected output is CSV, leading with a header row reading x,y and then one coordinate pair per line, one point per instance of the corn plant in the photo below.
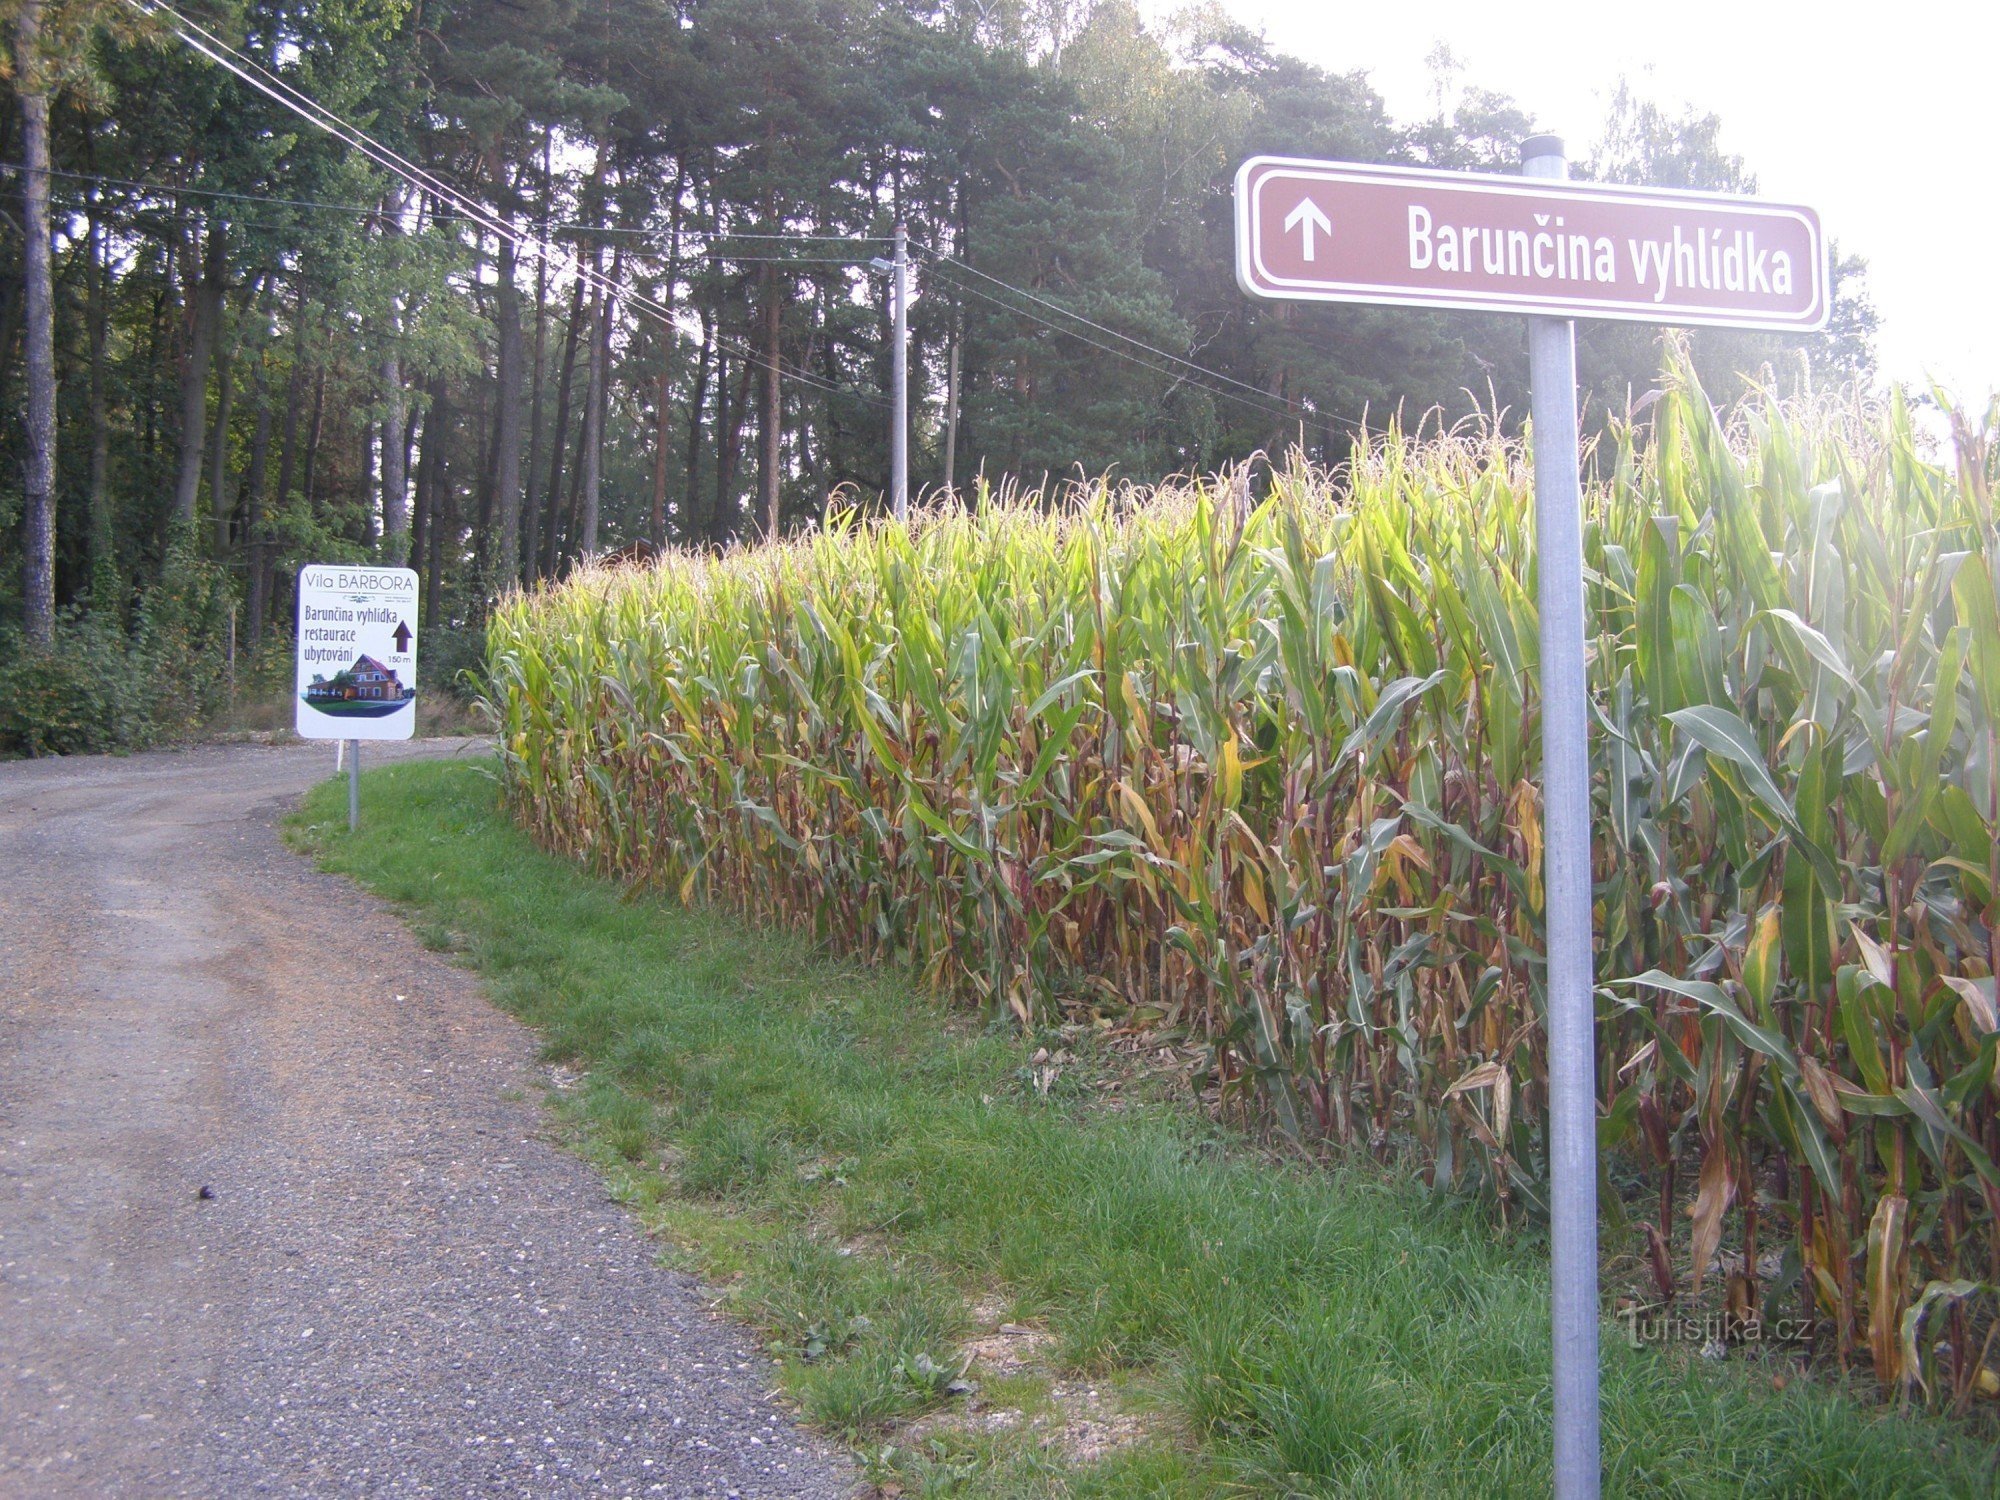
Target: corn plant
x,y
1267,778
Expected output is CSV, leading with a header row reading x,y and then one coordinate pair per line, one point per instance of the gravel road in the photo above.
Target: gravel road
x,y
399,1286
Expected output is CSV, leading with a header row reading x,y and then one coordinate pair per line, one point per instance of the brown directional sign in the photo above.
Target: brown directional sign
x,y
1322,231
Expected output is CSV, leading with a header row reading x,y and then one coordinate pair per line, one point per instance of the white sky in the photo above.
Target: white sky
x,y
1882,117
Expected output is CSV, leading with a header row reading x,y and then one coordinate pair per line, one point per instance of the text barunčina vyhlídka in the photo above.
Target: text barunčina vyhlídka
x,y
1709,260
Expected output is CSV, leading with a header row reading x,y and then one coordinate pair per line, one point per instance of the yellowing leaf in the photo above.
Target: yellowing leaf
x,y
1136,806
1875,959
1978,997
1716,1192
1760,962
1253,892
1232,772
1888,1254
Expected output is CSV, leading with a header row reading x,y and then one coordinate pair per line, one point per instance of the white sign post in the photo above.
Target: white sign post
x,y
357,660
1555,250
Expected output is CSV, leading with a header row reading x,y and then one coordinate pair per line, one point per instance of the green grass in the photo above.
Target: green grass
x,y
857,1166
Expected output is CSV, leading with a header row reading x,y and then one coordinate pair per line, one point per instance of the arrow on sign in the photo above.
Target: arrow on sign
x,y
1306,218
402,636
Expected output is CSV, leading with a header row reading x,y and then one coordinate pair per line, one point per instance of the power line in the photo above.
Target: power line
x,y
713,249
963,265
378,210
375,211
195,192
1266,407
236,218
787,260
832,239
696,231
250,71
253,73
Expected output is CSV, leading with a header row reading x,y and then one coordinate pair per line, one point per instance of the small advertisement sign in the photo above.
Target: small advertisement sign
x,y
357,658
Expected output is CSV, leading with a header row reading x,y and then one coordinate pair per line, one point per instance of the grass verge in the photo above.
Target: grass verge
x,y
1148,1307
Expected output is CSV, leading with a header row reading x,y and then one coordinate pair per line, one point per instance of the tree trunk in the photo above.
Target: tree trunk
x,y
38,516
728,513
587,483
253,502
599,399
658,530
10,329
579,463
420,514
395,412
406,438
149,425
721,517
531,500
591,460
371,434
770,413
951,413
430,564
288,445
531,506
447,528
395,459
489,452
314,431
507,421
413,423
691,528
105,582
220,500
205,313
564,384
437,430
218,463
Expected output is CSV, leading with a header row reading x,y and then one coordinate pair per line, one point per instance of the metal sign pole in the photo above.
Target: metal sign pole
x,y
353,785
1566,881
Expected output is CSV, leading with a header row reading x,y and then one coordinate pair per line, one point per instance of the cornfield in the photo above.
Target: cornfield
x,y
1265,776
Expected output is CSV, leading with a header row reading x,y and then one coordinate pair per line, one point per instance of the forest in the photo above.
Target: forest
x,y
549,278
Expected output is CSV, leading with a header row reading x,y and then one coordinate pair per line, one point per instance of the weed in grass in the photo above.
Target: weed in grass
x,y
645,1059
618,1119
723,1156
872,1342
1021,1391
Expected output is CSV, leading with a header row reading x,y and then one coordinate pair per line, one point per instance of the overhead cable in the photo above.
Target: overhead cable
x,y
1056,307
1266,407
250,71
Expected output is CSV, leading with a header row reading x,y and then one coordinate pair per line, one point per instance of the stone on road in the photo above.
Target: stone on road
x,y
396,1284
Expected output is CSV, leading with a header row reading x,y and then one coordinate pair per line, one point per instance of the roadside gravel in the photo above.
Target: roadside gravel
x,y
399,1285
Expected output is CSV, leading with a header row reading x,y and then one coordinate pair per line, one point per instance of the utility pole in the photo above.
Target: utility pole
x,y
899,442
951,409
899,371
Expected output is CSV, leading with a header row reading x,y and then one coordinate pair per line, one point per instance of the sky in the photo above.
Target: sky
x,y
1882,118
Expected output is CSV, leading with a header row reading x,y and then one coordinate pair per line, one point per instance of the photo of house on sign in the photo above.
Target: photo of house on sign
x,y
367,689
